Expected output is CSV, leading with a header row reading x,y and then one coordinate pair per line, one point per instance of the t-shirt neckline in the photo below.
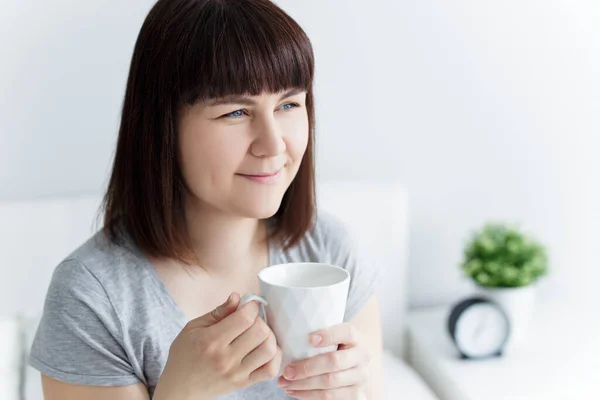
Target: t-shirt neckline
x,y
162,289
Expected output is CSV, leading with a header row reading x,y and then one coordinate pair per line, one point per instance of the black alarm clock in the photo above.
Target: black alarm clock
x,y
479,328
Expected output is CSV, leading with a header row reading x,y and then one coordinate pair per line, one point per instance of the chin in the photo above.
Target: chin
x,y
260,201
258,208
258,212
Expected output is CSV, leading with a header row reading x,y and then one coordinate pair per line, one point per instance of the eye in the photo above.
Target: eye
x,y
289,106
234,114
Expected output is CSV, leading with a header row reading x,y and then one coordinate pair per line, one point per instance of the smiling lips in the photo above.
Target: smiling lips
x,y
264,178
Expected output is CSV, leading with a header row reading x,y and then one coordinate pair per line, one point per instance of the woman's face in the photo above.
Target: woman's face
x,y
240,154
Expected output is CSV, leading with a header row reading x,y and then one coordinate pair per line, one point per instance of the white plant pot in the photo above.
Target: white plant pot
x,y
518,303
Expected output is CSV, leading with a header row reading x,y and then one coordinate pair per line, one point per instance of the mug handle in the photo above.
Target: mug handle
x,y
253,297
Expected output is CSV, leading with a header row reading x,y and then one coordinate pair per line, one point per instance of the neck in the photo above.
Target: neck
x,y
224,242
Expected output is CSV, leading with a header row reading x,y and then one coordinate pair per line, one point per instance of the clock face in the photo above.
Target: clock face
x,y
481,330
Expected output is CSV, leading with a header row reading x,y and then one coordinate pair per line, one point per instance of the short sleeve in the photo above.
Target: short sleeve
x,y
79,338
345,251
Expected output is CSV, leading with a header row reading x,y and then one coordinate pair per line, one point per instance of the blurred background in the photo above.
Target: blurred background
x,y
480,109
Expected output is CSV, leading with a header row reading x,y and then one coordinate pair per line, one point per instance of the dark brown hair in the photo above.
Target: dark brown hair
x,y
188,51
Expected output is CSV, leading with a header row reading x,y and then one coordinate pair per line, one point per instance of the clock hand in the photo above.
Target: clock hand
x,y
479,327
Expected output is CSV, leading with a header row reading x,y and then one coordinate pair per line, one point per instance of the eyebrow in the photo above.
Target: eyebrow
x,y
236,99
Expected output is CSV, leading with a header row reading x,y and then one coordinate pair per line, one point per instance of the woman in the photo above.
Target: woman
x,y
212,181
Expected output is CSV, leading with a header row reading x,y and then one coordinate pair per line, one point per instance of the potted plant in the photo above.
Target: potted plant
x,y
505,264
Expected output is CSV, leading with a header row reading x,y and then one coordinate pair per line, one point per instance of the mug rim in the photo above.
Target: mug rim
x,y
282,265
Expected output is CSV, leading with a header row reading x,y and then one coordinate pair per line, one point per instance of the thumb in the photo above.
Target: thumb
x,y
221,311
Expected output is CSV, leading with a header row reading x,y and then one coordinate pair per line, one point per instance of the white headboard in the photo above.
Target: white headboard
x,y
36,235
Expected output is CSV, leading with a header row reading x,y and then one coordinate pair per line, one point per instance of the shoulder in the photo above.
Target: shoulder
x,y
98,281
326,241
103,259
330,232
73,276
97,268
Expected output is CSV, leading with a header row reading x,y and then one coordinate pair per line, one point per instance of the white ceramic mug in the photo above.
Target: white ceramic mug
x,y
298,299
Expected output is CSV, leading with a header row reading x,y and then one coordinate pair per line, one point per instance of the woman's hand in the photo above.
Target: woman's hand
x,y
218,353
340,374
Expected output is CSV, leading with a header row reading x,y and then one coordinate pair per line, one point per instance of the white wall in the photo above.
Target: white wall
x,y
62,78
483,109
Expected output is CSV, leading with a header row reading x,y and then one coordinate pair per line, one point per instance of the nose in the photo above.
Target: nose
x,y
268,139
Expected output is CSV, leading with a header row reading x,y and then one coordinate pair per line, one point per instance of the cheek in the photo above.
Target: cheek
x,y
297,139
207,155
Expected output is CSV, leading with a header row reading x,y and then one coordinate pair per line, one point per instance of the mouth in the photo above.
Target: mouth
x,y
263,177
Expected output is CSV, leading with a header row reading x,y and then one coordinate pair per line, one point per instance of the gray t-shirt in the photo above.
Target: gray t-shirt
x,y
108,319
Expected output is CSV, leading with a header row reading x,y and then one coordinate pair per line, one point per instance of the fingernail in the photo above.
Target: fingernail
x,y
289,372
316,340
229,299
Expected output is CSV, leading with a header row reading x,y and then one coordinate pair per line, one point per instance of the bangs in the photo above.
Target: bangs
x,y
244,47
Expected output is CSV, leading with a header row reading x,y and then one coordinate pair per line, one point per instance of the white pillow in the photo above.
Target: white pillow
x,y
11,344
402,382
32,381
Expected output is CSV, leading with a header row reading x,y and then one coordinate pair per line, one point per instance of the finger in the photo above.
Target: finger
x,y
251,339
225,309
236,323
345,393
268,371
334,361
344,334
261,355
332,380
219,313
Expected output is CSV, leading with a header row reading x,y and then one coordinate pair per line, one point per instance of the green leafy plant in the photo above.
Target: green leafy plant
x,y
499,255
